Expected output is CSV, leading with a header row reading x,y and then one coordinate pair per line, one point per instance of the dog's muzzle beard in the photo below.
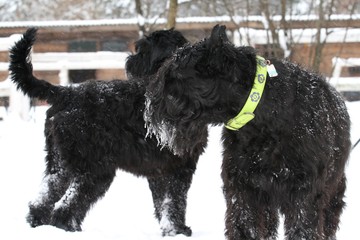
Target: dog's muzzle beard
x,y
180,138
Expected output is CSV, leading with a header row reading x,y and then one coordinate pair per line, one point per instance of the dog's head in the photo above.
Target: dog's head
x,y
152,51
202,84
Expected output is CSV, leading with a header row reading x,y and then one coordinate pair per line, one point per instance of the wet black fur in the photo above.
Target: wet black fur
x,y
97,127
289,159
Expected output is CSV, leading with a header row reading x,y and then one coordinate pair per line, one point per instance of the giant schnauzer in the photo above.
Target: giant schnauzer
x,y
286,140
97,127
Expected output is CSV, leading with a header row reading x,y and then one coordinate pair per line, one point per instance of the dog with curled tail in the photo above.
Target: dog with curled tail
x,y
94,128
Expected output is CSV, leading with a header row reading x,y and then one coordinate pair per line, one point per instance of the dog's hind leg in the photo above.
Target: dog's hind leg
x,y
334,210
54,185
40,209
82,193
170,199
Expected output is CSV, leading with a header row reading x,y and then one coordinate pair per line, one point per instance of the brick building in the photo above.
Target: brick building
x,y
119,35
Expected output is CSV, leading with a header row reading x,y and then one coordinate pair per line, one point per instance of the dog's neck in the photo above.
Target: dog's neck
x,y
247,112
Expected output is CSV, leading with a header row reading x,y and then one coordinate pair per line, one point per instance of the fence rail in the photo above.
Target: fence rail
x,y
344,84
62,62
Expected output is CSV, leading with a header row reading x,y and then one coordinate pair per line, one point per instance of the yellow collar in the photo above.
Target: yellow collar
x,y
247,112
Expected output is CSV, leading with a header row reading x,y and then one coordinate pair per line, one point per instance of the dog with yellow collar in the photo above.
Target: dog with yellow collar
x,y
286,138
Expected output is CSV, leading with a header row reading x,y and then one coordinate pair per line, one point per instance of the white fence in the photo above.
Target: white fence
x,y
65,61
345,83
55,61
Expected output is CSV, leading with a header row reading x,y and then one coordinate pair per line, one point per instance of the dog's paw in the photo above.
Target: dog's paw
x,y
38,216
69,227
65,221
185,230
35,220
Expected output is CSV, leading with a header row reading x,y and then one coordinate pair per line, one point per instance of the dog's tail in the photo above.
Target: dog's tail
x,y
21,70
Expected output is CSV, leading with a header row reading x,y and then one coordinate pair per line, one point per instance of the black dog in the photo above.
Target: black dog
x,y
290,157
97,127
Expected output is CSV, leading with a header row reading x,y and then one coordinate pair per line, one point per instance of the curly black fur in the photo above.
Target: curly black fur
x,y
97,127
290,158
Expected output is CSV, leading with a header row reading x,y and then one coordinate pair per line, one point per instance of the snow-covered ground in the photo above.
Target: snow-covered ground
x,y
126,212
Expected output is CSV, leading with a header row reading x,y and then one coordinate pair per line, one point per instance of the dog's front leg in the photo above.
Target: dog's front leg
x,y
242,215
305,219
170,199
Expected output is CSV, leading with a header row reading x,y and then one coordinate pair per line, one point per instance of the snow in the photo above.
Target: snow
x,y
126,211
68,196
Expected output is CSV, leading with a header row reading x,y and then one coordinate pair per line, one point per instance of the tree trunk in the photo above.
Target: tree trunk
x,y
322,25
287,46
141,18
318,44
171,20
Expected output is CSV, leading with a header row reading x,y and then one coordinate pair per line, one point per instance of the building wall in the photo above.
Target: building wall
x,y
57,40
110,74
303,54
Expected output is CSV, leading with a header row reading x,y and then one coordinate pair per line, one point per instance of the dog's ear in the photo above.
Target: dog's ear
x,y
218,36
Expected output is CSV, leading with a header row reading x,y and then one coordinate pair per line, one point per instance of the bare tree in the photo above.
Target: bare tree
x,y
149,12
272,35
231,8
324,15
171,20
141,18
